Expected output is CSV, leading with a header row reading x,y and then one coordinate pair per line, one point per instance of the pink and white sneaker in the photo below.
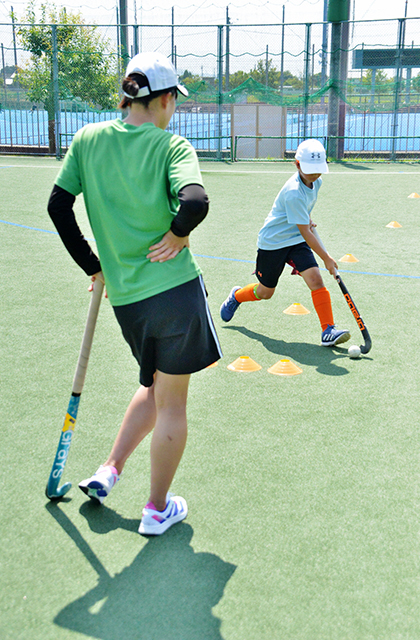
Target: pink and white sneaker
x,y
154,522
98,486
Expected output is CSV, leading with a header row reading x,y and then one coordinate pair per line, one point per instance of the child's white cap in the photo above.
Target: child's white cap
x,y
159,71
312,157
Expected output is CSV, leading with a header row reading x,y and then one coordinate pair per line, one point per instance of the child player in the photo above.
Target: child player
x,y
287,237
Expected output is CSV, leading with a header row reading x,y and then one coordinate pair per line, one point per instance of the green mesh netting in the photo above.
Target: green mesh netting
x,y
252,91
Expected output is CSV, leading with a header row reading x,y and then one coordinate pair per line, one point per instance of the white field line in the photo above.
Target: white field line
x,y
226,171
331,173
26,166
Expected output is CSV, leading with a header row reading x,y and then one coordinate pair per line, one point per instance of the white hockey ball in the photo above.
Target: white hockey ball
x,y
354,351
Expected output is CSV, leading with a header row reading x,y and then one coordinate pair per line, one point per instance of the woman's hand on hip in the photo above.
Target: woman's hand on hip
x,y
168,248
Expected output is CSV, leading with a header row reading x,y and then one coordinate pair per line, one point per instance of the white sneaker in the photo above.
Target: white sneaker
x,y
100,484
154,522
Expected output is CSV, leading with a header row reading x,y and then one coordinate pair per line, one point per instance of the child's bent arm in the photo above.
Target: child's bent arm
x,y
316,245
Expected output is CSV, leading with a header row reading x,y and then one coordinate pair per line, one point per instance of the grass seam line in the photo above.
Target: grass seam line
x,y
197,255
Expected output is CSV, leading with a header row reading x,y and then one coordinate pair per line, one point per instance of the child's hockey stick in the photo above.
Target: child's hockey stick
x,y
364,348
53,491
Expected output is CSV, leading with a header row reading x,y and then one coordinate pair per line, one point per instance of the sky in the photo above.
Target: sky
x,y
247,40
214,12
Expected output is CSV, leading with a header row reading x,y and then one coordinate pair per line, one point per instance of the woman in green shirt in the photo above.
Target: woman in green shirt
x,y
144,195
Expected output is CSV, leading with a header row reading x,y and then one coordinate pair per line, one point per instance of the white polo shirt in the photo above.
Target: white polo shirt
x,y
292,206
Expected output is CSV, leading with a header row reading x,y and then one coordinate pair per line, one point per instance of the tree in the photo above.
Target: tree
x,y
382,81
259,74
416,82
85,68
237,78
189,78
316,79
264,72
8,71
292,81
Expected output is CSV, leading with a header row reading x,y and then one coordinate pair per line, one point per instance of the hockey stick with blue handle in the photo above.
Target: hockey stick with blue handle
x,y
53,491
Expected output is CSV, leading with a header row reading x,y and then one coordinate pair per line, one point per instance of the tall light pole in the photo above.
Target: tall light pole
x,y
324,49
282,57
338,13
227,69
123,30
173,37
136,33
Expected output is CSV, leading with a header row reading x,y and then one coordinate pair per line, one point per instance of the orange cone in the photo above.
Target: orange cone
x,y
244,363
414,195
348,258
284,368
210,366
296,309
394,224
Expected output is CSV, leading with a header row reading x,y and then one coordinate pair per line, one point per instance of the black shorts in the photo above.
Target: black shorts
x,y
270,264
172,332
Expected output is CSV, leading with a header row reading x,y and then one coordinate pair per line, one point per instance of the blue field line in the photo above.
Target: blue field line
x,y
23,226
360,273
197,255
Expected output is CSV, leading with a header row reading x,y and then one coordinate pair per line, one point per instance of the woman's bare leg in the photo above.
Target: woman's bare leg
x,y
138,421
169,435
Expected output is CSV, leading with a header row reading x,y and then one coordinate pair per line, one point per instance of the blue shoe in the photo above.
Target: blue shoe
x,y
332,336
228,308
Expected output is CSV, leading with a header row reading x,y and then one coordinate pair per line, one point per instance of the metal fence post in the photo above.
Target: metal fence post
x,y
408,85
345,31
227,70
124,31
136,39
282,57
306,90
4,72
400,46
173,36
118,41
15,55
220,88
324,49
373,88
56,92
334,97
136,33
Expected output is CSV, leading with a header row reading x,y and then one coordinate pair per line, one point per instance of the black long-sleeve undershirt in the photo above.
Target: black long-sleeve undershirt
x,y
60,208
194,205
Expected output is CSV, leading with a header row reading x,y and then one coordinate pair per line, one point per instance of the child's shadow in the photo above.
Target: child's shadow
x,y
309,354
167,593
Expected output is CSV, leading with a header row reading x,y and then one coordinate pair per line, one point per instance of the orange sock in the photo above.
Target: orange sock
x,y
322,303
247,294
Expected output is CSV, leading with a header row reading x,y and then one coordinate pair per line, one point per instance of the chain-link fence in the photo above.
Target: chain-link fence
x,y
256,91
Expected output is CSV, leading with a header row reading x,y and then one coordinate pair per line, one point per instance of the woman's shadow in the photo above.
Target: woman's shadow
x,y
167,593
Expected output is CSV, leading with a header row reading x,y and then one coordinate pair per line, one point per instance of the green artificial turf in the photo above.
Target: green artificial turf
x,y
303,491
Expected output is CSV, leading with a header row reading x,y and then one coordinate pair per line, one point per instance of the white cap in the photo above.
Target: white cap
x,y
312,157
159,71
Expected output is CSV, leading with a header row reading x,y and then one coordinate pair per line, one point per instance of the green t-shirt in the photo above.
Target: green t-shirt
x,y
130,177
